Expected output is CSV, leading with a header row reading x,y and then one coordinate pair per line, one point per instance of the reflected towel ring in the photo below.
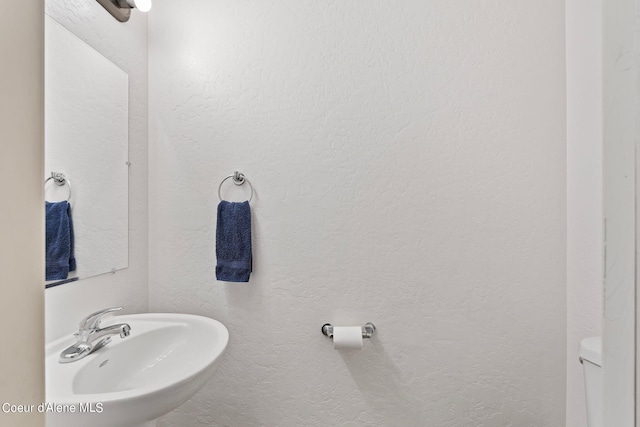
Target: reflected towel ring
x,y
238,179
60,179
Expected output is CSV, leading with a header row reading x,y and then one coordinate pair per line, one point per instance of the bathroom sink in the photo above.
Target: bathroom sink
x,y
166,359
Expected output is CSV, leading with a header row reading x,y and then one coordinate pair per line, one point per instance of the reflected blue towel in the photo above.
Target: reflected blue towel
x,y
233,242
60,259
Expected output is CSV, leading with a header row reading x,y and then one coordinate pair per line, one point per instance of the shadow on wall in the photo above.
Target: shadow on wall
x,y
380,381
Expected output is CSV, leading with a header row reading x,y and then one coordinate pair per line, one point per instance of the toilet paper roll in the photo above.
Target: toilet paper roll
x,y
347,337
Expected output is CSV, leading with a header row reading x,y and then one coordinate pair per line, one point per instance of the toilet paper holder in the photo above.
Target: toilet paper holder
x,y
367,330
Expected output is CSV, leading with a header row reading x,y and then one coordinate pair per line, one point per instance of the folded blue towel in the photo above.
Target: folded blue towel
x,y
233,242
59,241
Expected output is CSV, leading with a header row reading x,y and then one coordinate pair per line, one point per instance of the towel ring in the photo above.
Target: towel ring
x,y
238,179
60,179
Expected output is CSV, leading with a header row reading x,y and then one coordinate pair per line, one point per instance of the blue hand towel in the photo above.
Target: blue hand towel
x,y
233,242
60,259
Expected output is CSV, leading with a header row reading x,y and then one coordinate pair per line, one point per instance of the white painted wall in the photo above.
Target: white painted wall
x,y
584,191
620,142
21,212
409,163
126,46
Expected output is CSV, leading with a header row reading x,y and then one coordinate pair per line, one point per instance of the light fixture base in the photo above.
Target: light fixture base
x,y
120,13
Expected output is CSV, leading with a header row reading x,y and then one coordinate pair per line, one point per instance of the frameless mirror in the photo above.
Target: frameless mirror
x,y
86,139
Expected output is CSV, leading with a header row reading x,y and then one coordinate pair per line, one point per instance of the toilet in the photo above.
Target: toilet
x,y
591,359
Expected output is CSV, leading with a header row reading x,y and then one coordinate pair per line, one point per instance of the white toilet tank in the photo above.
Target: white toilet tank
x,y
591,358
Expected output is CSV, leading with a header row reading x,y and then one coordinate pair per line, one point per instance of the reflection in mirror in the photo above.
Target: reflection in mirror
x,y
86,139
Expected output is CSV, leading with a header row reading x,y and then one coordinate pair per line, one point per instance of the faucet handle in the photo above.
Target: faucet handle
x,y
93,320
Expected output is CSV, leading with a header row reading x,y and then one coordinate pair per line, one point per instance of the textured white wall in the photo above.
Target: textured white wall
x,y
584,191
126,46
409,164
22,213
620,148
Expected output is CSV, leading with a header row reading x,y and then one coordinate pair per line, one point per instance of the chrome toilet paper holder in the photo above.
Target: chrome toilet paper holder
x,y
367,330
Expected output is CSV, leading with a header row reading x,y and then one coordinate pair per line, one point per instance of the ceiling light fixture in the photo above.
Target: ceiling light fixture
x,y
121,9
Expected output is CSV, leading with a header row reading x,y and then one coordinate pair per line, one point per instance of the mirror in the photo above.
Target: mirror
x,y
86,139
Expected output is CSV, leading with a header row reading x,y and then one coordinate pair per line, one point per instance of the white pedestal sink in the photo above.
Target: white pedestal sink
x,y
132,381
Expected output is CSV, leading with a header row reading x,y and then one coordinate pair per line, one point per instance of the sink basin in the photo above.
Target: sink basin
x,y
132,381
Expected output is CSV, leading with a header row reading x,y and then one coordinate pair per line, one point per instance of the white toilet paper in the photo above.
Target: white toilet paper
x,y
347,337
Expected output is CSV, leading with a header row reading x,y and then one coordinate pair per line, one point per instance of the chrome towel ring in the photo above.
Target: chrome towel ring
x,y
238,179
60,179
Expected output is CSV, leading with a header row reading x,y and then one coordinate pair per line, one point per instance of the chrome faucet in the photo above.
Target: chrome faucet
x,y
92,337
